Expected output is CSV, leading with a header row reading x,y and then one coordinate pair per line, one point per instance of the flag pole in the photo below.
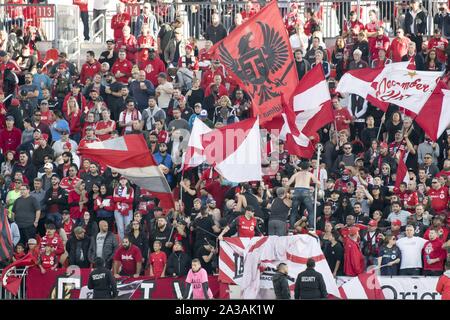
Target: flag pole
x,y
379,129
316,189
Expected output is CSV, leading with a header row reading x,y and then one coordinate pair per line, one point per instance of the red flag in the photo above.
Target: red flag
x,y
309,110
402,170
434,117
12,282
129,155
259,57
6,243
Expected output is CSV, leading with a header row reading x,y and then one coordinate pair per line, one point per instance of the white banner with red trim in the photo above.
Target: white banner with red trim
x,y
251,262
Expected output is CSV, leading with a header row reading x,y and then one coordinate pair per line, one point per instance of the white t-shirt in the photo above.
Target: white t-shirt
x,y
164,97
411,249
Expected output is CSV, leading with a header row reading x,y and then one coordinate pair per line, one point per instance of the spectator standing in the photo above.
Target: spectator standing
x,y
280,282
310,283
411,253
103,245
416,23
433,255
215,31
123,198
389,257
78,248
353,258
443,285
120,20
26,211
146,18
198,279
84,15
127,260
178,263
101,281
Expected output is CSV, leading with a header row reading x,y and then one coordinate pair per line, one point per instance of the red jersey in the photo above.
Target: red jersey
x,y
89,70
443,173
49,261
208,78
222,90
399,48
55,242
411,200
103,125
203,56
340,116
377,44
442,232
246,227
124,67
439,199
47,117
130,45
75,211
432,250
439,45
74,120
163,136
146,41
128,258
68,227
356,26
158,261
14,11
119,21
68,183
353,258
152,69
83,4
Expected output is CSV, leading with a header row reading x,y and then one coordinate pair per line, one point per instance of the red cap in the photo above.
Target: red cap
x,y
188,46
346,171
373,223
62,66
396,223
384,145
44,136
353,231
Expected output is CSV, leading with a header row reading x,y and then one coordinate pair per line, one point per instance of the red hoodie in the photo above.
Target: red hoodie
x,y
433,249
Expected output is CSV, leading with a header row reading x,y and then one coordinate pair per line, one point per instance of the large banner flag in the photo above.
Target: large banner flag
x,y
251,262
193,156
434,117
392,84
235,150
258,55
309,109
129,155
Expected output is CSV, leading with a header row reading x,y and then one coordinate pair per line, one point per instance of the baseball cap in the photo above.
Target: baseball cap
x,y
162,75
203,113
9,118
3,53
383,145
48,166
210,200
44,102
188,46
110,41
373,223
62,55
90,128
45,136
151,49
32,241
396,223
66,212
346,171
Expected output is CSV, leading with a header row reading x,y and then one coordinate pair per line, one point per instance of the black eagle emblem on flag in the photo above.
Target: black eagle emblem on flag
x,y
255,66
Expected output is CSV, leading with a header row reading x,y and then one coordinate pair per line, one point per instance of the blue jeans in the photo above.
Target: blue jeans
x,y
302,196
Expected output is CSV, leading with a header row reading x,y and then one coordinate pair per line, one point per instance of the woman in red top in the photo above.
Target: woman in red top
x,y
78,198
74,118
104,206
123,198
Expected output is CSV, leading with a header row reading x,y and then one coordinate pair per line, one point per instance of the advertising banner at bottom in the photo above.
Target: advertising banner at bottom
x,y
72,284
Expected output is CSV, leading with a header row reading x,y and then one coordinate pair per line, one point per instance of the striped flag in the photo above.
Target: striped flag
x,y
6,244
129,155
402,170
194,156
10,280
364,286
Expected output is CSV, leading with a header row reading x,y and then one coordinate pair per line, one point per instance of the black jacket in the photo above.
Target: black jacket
x,y
74,256
281,286
60,201
178,263
310,285
420,21
103,283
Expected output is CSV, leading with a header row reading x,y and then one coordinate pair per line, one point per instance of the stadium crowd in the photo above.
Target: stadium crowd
x,y
153,79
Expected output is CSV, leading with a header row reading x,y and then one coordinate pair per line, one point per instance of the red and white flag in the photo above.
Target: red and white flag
x,y
402,170
129,155
235,150
392,84
364,286
308,111
193,156
434,117
10,279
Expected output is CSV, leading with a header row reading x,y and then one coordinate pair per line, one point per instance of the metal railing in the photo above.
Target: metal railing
x,y
102,29
27,16
73,48
331,14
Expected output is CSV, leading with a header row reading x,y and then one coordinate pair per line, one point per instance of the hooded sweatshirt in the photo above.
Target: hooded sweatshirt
x,y
443,285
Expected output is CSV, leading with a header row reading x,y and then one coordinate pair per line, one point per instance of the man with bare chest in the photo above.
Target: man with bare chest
x,y
302,193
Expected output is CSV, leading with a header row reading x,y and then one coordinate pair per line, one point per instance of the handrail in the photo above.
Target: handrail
x,y
102,30
77,53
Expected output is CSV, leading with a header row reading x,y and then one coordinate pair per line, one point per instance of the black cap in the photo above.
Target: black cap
x,y
110,41
3,53
151,50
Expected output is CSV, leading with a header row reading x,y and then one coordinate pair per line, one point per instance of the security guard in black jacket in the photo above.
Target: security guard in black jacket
x,y
310,283
101,280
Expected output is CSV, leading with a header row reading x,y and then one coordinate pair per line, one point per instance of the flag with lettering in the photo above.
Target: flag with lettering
x,y
258,56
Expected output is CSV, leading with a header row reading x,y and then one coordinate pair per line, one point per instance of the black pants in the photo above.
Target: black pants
x,y
85,19
410,272
433,273
418,41
27,233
